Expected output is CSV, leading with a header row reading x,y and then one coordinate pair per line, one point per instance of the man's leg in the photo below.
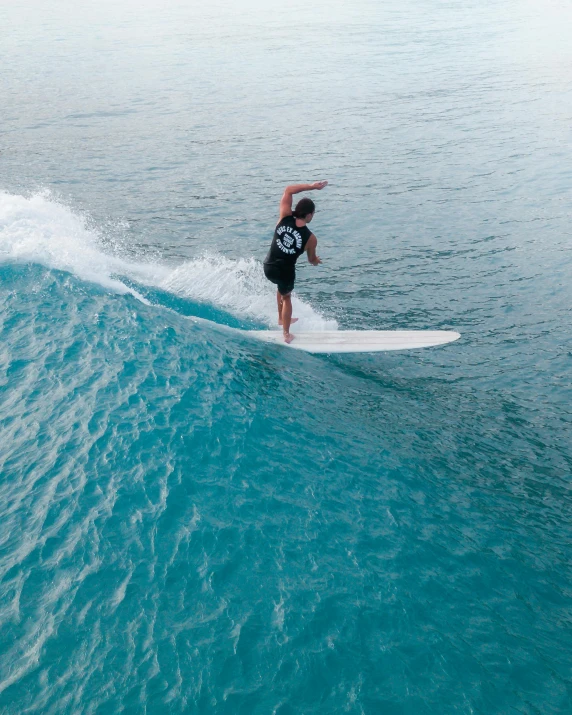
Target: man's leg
x,y
287,317
280,301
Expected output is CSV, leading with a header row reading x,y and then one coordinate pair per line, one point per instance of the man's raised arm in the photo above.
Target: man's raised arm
x,y
289,191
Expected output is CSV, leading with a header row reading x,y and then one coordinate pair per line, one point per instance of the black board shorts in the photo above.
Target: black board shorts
x,y
283,279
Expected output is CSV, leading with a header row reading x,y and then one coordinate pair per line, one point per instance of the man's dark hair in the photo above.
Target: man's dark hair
x,y
303,208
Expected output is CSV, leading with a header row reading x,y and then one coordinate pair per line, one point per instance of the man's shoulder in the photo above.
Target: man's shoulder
x,y
286,221
286,215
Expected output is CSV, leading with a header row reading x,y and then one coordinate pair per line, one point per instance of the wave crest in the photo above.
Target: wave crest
x,y
40,229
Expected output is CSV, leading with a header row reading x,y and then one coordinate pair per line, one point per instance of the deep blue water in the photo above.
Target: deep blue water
x,y
192,521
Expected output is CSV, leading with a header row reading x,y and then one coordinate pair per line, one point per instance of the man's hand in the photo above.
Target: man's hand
x,y
319,185
315,261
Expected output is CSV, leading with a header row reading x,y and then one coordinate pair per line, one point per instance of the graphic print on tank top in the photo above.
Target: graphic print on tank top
x,y
286,236
289,241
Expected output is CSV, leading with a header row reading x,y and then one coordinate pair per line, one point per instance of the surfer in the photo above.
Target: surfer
x,y
291,238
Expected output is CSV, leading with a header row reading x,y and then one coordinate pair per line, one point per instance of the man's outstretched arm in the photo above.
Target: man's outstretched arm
x,y
289,191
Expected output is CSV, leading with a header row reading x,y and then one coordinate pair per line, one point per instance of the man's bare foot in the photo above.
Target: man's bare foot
x,y
292,320
288,337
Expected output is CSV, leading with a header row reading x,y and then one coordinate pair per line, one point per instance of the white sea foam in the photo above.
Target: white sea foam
x,y
41,230
238,286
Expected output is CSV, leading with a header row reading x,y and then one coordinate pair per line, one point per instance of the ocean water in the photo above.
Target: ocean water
x,y
195,522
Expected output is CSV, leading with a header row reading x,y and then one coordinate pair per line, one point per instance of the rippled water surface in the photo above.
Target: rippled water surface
x,y
194,522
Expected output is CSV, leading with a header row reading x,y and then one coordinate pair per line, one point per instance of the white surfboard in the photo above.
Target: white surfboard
x,y
357,341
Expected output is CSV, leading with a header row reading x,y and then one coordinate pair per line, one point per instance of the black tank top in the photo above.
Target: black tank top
x,y
288,243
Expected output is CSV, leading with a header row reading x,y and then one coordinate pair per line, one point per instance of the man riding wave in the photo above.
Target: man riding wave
x,y
292,237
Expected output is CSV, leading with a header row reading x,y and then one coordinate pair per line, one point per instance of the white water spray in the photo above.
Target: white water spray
x,y
41,230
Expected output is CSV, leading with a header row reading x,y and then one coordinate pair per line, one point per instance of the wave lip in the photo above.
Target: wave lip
x,y
39,229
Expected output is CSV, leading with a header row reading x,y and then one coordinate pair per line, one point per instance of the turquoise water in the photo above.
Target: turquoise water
x,y
191,521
